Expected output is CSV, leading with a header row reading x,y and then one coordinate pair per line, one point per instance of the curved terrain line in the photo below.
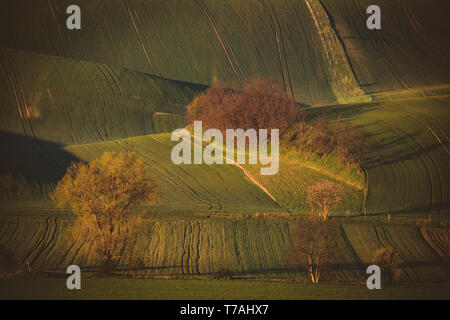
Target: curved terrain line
x,y
211,21
419,152
280,48
436,168
432,243
189,191
146,41
57,26
424,124
140,40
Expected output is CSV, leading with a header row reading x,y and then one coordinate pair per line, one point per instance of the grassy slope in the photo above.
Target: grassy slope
x,y
186,188
72,102
410,50
289,185
407,170
48,102
234,40
408,167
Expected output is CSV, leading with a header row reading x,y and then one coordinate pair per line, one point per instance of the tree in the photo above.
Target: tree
x,y
388,259
261,104
312,242
103,193
325,195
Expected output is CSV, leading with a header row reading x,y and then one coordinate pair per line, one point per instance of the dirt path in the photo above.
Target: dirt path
x,y
329,173
249,176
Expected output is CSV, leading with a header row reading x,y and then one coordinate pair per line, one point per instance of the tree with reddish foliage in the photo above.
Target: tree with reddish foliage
x,y
261,104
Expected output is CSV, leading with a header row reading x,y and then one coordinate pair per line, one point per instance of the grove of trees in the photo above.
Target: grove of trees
x,y
261,104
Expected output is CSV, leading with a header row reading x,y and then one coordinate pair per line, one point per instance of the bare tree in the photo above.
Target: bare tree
x,y
324,195
312,242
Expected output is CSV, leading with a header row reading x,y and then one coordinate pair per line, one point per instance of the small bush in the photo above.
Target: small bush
x,y
388,259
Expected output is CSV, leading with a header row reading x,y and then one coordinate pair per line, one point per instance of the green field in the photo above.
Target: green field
x,y
122,83
246,246
142,289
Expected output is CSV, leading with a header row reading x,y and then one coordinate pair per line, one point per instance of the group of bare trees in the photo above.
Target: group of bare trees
x,y
261,104
347,142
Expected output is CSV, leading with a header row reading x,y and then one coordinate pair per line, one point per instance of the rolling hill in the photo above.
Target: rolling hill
x,y
122,84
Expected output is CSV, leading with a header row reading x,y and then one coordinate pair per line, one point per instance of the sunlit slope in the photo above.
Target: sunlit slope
x,y
410,50
289,186
69,101
186,188
319,50
196,41
205,246
408,165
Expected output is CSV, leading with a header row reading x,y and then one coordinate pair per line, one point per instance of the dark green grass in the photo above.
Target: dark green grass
x,y
141,289
249,247
68,101
408,52
235,40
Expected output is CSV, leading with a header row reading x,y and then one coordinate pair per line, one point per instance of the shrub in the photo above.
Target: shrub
x,y
347,142
388,259
350,143
103,194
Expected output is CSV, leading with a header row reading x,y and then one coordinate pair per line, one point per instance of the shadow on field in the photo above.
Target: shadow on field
x,y
25,160
434,208
344,112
